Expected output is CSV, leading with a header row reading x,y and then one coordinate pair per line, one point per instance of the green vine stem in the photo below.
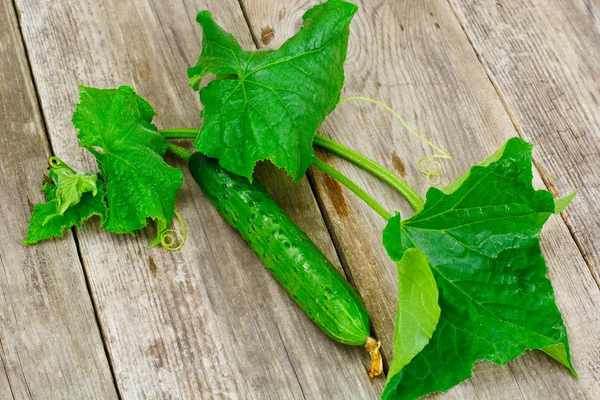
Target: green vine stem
x,y
353,156
357,190
179,151
329,170
376,169
180,133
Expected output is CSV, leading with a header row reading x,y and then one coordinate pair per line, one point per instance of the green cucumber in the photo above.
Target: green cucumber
x,y
299,266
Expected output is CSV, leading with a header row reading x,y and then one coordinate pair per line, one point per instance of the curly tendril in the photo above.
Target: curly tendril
x,y
432,168
170,237
57,163
428,165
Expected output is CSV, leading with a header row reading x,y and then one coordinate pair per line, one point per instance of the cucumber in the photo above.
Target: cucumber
x,y
293,259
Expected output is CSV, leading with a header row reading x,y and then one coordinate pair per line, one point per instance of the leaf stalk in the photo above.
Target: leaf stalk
x,y
357,190
179,151
180,133
397,183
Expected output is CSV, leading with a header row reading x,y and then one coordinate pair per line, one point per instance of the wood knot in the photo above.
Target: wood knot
x,y
266,35
398,164
152,265
334,190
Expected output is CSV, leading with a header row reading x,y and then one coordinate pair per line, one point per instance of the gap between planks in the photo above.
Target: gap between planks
x,y
73,229
95,309
517,126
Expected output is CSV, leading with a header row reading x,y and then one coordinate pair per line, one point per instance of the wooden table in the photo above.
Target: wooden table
x,y
100,316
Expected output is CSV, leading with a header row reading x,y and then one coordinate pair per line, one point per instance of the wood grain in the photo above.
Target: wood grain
x,y
50,344
5,390
544,60
208,321
415,57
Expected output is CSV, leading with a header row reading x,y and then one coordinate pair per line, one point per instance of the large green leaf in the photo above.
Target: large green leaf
x,y
481,238
269,104
115,126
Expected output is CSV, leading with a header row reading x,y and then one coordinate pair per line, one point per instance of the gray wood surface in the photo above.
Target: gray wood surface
x,y
50,344
546,73
415,57
209,321
5,391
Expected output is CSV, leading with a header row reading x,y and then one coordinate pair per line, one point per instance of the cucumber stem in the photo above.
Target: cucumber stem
x,y
376,169
357,190
179,151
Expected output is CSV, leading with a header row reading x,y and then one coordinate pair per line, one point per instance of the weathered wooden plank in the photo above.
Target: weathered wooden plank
x,y
5,390
50,344
415,57
207,321
543,58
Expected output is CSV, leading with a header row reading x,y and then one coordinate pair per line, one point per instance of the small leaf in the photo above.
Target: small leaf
x,y
269,104
392,238
480,236
418,310
70,186
41,227
115,126
562,203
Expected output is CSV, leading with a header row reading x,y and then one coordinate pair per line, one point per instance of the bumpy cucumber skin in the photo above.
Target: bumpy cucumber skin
x,y
299,266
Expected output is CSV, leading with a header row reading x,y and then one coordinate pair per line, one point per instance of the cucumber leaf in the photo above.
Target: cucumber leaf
x,y
115,126
480,236
418,310
50,219
269,104
71,185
